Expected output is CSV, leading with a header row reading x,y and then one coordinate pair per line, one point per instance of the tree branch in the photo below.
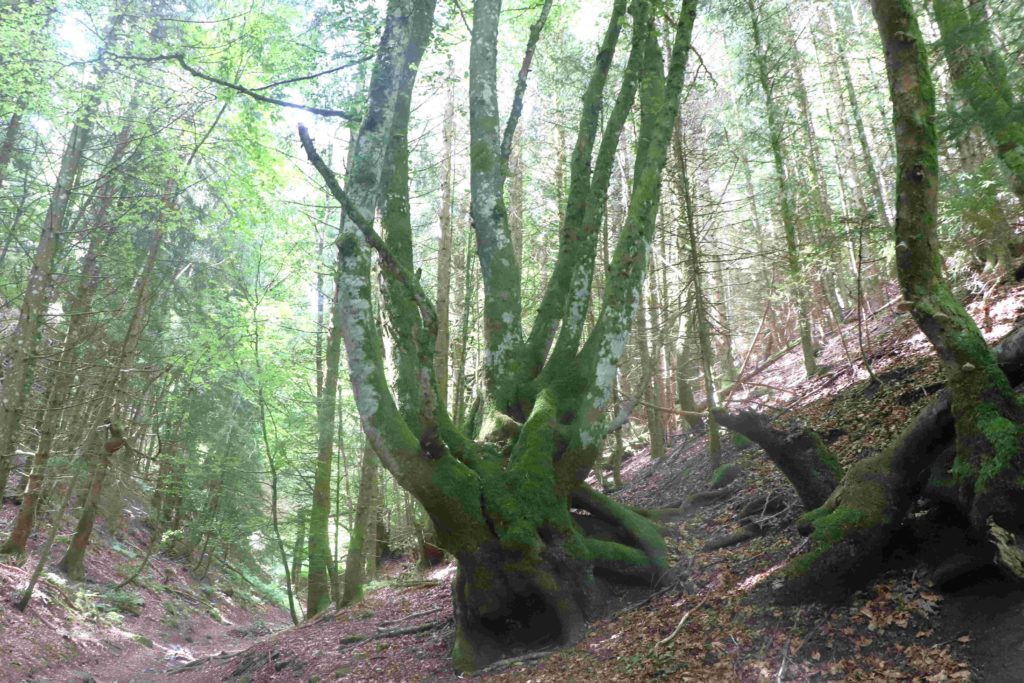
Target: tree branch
x,y
387,259
524,73
309,77
251,92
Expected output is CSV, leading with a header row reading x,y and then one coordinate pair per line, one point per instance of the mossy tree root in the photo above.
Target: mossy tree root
x,y
635,551
849,532
800,454
512,596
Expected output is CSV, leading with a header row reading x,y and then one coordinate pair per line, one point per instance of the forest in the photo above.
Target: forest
x,y
576,340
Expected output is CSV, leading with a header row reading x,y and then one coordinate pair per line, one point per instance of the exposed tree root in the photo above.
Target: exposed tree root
x,y
358,638
849,532
747,533
752,519
799,453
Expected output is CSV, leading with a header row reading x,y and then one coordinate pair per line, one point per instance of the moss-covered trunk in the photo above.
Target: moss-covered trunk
x,y
528,560
848,532
800,454
355,560
503,504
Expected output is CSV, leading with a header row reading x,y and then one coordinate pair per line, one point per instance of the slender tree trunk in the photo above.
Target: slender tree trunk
x,y
59,384
318,596
468,306
444,251
73,562
299,549
21,348
797,287
648,361
823,219
725,332
339,466
874,180
700,322
355,559
372,540
44,552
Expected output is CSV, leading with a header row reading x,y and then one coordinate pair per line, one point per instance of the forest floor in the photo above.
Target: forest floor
x,y
86,631
718,622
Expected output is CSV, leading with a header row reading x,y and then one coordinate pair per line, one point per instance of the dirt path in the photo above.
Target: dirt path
x,y
991,615
140,663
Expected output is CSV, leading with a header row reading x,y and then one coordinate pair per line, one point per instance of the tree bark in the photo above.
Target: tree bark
x,y
649,362
444,251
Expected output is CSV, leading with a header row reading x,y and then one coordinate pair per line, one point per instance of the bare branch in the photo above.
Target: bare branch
x,y
524,73
387,259
325,72
249,92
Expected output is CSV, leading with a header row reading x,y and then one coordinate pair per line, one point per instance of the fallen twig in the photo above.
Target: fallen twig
x,y
200,661
416,584
520,659
782,669
670,637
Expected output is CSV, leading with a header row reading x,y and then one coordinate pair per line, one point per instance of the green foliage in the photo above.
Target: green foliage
x,y
121,600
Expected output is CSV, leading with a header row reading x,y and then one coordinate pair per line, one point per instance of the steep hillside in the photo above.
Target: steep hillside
x,y
94,631
719,620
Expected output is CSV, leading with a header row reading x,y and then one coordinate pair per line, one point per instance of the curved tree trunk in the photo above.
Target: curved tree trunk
x,y
851,528
502,505
800,455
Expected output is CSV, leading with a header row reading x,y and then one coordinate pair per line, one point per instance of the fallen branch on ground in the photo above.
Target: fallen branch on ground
x,y
200,661
358,639
670,637
414,615
416,584
521,659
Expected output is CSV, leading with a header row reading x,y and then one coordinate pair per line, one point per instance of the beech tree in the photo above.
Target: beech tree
x,y
986,460
503,504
